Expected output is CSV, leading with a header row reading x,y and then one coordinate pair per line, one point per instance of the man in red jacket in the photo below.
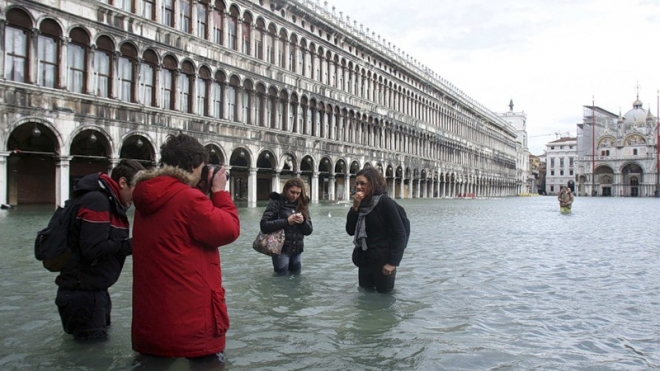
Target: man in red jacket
x,y
179,305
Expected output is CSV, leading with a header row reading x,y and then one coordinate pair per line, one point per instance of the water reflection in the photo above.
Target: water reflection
x,y
485,284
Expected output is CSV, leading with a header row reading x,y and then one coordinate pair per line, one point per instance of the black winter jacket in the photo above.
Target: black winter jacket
x,y
99,236
275,218
386,234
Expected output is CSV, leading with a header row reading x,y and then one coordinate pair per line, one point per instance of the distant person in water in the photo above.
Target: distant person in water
x,y
565,199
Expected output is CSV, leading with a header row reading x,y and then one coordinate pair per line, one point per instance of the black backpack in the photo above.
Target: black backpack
x,y
51,246
404,219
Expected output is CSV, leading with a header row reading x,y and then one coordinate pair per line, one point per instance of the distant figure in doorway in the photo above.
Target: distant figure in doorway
x,y
380,234
99,241
565,199
289,211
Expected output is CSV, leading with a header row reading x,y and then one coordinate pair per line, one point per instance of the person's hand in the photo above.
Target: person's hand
x,y
219,180
388,269
299,218
357,200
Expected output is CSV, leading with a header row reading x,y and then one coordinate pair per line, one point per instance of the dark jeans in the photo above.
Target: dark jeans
x,y
287,262
371,276
84,314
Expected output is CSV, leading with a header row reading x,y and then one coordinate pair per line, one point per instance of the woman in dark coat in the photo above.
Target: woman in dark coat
x,y
379,233
289,211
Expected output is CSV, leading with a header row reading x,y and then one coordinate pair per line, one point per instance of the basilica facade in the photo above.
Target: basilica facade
x,y
274,89
618,154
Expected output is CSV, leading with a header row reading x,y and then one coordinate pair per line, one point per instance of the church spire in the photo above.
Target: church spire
x,y
511,105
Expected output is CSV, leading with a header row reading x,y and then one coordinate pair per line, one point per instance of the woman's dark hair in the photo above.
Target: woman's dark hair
x,y
375,179
183,151
303,199
127,168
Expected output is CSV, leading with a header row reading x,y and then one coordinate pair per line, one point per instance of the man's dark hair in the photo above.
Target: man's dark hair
x,y
183,151
376,180
127,168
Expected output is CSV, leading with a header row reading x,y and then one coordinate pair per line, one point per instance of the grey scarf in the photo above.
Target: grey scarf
x,y
360,238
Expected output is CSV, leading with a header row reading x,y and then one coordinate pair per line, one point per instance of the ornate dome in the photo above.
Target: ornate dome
x,y
637,114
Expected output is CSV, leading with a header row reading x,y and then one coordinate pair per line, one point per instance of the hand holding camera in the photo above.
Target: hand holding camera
x,y
213,179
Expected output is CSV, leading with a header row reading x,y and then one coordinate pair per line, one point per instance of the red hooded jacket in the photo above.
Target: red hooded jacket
x,y
179,305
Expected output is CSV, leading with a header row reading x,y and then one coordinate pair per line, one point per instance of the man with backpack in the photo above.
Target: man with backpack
x,y
98,237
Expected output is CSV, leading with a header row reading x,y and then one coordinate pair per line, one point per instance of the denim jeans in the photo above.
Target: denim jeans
x,y
287,262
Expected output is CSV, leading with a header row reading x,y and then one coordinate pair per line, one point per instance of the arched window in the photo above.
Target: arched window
x,y
293,54
167,81
203,87
201,27
232,28
123,4
232,98
247,102
16,45
247,30
218,22
77,60
259,40
148,69
185,16
167,10
103,66
281,57
127,67
186,81
218,92
49,51
148,9
271,36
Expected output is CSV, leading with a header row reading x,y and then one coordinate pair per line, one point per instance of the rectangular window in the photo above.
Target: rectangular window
x,y
47,61
166,89
571,161
552,172
148,9
147,84
102,73
561,162
571,172
561,172
184,92
201,21
184,16
15,54
201,97
76,63
269,49
125,79
168,13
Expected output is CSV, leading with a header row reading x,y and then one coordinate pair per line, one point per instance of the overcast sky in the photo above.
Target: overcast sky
x,y
550,56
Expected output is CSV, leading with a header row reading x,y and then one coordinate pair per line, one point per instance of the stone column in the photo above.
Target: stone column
x,y
157,87
315,187
239,35
347,185
62,179
275,182
239,103
402,193
210,8
252,188
3,24
3,178
63,61
417,190
33,56
331,187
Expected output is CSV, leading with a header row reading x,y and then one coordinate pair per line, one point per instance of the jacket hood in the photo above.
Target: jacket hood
x,y
91,182
276,196
156,187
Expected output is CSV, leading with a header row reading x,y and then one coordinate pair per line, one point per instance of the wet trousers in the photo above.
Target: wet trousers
x,y
371,276
84,314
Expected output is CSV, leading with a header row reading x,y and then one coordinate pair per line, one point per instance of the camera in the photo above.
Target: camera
x,y
204,184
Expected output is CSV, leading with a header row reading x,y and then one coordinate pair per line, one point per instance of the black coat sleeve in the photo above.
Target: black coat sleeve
x,y
270,220
351,221
102,233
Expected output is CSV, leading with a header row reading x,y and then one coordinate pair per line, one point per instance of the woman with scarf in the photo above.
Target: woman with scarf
x,y
379,233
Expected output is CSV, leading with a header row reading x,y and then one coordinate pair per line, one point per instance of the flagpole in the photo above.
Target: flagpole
x,y
657,146
593,147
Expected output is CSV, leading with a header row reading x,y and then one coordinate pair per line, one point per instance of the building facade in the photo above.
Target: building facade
x,y
274,89
618,154
525,181
561,164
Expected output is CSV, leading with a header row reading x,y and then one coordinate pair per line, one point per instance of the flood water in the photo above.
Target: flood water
x,y
497,284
